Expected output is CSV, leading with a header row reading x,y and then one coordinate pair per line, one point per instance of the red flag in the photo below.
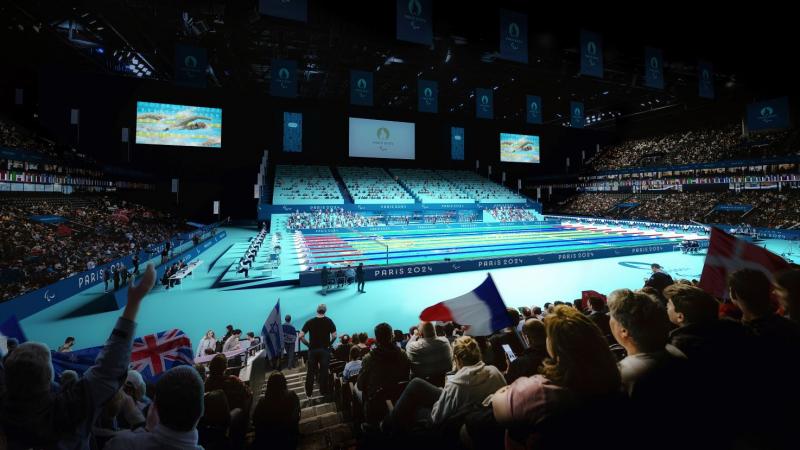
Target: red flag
x,y
63,230
727,254
586,295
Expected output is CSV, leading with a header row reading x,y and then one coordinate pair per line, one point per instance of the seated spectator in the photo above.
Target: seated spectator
x,y
751,290
232,343
31,415
381,370
236,391
715,349
528,364
640,325
472,382
136,388
430,357
276,416
342,351
207,345
214,426
67,378
121,409
787,285
353,366
598,313
580,373
362,343
177,406
777,342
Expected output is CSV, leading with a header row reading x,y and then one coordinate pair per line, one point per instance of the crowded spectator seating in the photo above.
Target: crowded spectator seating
x,y
638,356
514,214
481,189
373,185
762,208
305,185
83,231
695,146
30,163
329,217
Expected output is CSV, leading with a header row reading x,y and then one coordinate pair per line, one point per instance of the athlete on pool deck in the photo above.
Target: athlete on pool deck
x,y
360,277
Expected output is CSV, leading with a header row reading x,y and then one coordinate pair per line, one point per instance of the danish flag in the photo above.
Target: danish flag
x,y
727,254
154,354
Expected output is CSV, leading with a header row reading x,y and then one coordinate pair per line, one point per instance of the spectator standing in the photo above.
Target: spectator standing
x,y
360,277
322,333
289,341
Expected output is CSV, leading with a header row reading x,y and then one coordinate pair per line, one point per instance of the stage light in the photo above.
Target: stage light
x,y
135,61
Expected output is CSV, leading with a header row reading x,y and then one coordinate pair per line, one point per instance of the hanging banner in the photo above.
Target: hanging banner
x,y
361,88
415,21
653,68
591,54
428,92
191,65
577,118
483,104
283,78
534,106
768,115
705,75
514,36
456,143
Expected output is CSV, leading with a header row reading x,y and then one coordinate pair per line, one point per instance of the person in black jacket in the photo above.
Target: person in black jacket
x,y
381,370
659,279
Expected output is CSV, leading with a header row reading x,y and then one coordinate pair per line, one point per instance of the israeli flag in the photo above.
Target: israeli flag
x,y
10,329
272,333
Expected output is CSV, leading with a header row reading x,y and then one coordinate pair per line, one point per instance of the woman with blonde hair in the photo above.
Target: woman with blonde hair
x,y
472,382
209,342
580,372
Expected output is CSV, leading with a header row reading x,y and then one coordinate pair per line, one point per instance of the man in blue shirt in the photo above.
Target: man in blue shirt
x,y
289,340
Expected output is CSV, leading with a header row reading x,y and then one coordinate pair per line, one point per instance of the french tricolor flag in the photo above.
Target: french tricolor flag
x,y
482,310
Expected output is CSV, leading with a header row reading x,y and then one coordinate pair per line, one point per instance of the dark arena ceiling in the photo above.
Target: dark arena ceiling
x,y
749,51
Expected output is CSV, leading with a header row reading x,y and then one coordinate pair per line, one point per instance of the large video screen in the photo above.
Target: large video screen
x,y
187,126
519,148
381,139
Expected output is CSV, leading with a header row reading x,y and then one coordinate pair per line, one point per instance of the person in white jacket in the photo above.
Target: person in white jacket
x,y
209,341
472,382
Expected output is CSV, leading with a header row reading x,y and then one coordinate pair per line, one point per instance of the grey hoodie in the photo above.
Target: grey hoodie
x,y
469,385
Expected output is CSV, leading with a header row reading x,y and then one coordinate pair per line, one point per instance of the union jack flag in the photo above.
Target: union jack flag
x,y
156,353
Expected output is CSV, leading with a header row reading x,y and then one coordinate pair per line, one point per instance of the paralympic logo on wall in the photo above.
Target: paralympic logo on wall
x,y
767,114
383,141
591,53
414,15
284,77
361,88
512,36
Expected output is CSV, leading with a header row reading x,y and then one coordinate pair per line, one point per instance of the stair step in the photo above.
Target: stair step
x,y
314,423
317,410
